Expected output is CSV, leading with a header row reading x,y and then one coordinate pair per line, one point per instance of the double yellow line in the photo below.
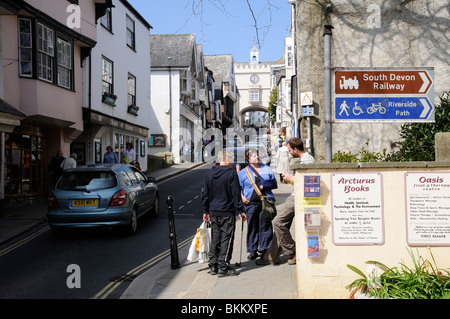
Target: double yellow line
x,y
105,292
23,241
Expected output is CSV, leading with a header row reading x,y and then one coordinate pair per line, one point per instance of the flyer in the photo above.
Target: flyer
x,y
313,246
312,186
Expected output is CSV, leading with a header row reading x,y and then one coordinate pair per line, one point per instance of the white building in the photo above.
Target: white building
x,y
178,113
254,82
116,102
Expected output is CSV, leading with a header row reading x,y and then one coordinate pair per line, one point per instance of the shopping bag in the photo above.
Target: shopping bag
x,y
193,250
204,243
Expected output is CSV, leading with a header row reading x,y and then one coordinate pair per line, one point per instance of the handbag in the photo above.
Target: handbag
x,y
269,210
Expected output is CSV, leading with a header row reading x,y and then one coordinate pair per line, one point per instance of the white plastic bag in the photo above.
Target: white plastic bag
x,y
193,250
204,246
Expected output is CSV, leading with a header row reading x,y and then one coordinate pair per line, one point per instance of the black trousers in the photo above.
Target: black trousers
x,y
222,240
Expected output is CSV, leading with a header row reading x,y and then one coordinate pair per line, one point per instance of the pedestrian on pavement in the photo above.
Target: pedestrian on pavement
x,y
130,153
55,168
282,239
221,197
70,162
283,161
259,231
110,157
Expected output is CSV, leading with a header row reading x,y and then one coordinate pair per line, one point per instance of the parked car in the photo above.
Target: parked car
x,y
102,196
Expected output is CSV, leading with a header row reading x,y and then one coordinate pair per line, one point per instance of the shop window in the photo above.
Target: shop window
x,y
23,164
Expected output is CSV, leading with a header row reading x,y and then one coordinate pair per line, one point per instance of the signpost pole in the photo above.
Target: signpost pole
x,y
327,66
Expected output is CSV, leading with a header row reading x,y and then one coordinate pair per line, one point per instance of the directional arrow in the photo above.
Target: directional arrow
x,y
426,82
426,108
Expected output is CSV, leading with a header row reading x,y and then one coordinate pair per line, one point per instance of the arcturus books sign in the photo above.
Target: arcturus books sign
x,y
357,209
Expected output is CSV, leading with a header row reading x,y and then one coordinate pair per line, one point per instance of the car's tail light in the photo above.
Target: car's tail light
x,y
119,198
52,201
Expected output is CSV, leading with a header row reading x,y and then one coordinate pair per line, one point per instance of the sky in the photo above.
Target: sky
x,y
223,26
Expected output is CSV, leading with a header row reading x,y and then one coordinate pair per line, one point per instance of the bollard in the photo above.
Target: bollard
x,y
175,262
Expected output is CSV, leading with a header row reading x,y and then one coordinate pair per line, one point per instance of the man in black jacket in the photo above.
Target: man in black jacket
x,y
221,198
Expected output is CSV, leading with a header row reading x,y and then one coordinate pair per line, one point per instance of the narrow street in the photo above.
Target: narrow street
x,y
108,259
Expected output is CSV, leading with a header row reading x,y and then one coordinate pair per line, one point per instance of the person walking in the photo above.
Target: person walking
x,y
282,239
54,167
283,161
70,162
130,154
259,231
110,157
221,199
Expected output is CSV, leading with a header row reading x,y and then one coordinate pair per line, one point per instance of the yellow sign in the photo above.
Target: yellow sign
x,y
310,201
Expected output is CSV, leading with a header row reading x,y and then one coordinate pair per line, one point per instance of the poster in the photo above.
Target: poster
x,y
357,209
428,208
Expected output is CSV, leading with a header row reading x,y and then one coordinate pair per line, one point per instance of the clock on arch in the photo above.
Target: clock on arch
x,y
254,78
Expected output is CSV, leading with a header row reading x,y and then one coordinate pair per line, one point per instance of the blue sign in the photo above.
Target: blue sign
x,y
384,108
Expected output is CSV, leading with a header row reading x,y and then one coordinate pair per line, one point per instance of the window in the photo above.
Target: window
x,y
64,63
25,48
106,19
107,76
254,96
131,89
54,67
130,33
45,53
23,163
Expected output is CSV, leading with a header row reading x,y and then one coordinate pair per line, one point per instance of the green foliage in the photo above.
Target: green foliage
x,y
423,281
363,156
418,141
272,109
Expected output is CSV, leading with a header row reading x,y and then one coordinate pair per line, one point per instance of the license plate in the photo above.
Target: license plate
x,y
84,202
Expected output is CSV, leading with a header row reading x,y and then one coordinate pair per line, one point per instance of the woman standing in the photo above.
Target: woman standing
x,y
110,157
259,231
283,161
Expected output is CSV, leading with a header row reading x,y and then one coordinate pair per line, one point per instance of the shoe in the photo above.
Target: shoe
x,y
292,260
262,262
213,270
253,255
228,272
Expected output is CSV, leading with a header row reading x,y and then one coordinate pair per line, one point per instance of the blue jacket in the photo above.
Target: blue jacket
x,y
268,181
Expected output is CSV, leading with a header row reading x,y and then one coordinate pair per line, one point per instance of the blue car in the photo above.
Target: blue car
x,y
102,196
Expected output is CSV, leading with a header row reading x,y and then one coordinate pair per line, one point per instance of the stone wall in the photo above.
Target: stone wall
x,y
410,33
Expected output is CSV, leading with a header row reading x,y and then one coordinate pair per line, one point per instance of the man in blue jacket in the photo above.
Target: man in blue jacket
x,y
221,198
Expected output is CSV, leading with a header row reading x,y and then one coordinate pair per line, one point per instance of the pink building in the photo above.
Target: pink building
x,y
43,45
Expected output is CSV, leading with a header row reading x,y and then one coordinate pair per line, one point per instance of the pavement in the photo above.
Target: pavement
x,y
192,279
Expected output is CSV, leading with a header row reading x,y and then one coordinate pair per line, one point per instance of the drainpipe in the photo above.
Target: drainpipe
x,y
327,90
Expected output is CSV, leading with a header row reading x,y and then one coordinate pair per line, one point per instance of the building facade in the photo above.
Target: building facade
x,y
177,81
254,81
43,47
116,100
